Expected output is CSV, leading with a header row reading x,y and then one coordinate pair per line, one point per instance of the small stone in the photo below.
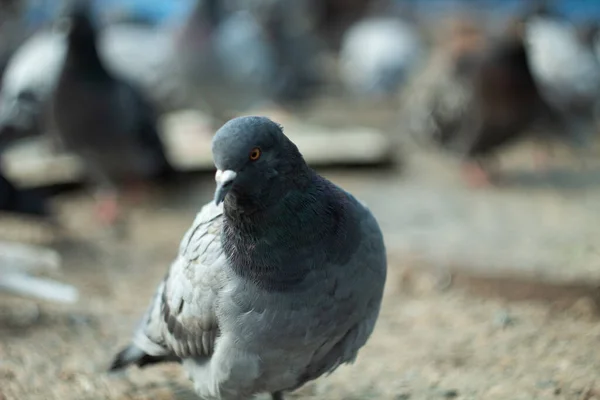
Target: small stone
x,y
546,384
450,393
402,396
78,320
7,373
585,308
503,319
66,375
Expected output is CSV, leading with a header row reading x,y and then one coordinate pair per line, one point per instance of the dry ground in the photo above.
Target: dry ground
x,y
430,342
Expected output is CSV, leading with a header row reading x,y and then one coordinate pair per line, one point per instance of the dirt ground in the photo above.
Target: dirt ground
x,y
432,341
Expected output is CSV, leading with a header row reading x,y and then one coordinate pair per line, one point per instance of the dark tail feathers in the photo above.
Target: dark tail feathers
x,y
132,355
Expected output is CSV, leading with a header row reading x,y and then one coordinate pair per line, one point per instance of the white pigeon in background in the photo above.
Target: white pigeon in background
x,y
377,54
567,71
29,79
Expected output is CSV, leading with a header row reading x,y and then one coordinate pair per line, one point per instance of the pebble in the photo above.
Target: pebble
x,y
585,308
450,394
546,384
79,320
503,319
402,396
7,373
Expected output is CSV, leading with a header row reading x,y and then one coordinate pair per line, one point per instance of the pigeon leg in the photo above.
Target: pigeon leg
x,y
277,396
475,175
542,156
107,208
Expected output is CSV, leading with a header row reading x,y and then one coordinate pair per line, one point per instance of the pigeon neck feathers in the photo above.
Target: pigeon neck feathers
x,y
311,226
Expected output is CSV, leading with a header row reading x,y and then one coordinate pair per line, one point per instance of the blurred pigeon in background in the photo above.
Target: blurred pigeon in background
x,y
27,84
290,27
437,98
566,70
225,56
505,105
12,29
140,54
18,261
276,283
378,53
243,55
104,120
485,98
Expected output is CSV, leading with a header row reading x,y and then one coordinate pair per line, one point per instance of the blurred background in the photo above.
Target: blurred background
x,y
469,127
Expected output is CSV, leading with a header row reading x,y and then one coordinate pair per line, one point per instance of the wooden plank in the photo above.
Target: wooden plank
x,y
187,136
38,288
19,257
17,260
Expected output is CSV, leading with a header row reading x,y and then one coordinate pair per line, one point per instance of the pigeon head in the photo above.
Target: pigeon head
x,y
256,162
78,24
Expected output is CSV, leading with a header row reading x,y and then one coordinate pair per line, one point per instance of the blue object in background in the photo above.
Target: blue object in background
x,y
574,9
156,12
160,11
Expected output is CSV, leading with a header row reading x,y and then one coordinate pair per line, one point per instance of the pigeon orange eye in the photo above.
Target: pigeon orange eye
x,y
255,154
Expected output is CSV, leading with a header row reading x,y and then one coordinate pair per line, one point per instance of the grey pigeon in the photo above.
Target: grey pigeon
x,y
277,282
142,55
103,119
244,54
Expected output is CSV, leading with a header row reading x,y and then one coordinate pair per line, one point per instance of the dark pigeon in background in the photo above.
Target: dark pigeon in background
x,y
505,105
139,54
488,99
105,120
277,282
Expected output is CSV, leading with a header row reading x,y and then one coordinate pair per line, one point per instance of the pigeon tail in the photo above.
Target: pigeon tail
x,y
133,355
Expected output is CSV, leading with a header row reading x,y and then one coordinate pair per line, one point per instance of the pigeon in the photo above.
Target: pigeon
x,y
105,120
140,54
290,28
243,55
378,54
223,54
277,282
506,103
496,101
566,70
27,84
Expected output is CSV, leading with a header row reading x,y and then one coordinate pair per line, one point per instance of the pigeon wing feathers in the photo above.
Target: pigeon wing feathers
x,y
181,320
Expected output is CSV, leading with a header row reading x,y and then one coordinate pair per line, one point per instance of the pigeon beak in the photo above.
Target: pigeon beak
x,y
224,181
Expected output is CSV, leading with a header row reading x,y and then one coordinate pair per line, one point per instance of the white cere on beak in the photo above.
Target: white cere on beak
x,y
222,177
